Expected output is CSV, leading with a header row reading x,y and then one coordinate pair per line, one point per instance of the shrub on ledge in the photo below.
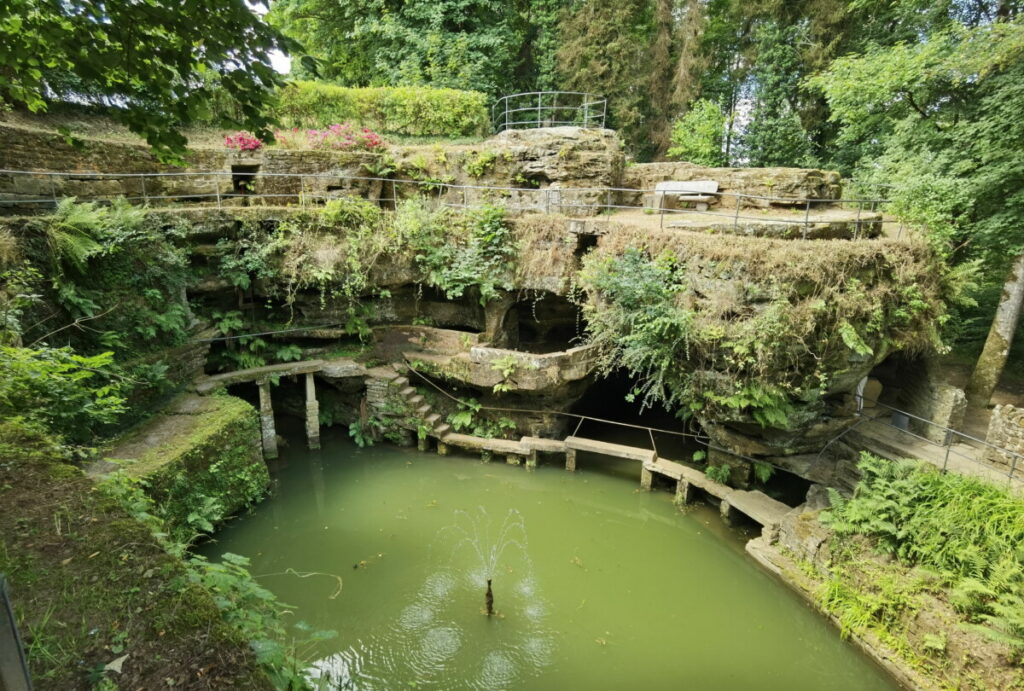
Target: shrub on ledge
x,y
406,110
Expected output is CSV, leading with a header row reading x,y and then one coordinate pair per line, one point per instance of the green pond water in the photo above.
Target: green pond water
x,y
596,584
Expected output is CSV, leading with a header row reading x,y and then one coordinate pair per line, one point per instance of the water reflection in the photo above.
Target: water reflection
x,y
442,636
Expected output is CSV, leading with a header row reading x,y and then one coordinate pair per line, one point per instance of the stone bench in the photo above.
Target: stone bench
x,y
698,192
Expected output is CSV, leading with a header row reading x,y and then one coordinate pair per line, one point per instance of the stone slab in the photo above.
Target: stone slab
x,y
211,383
632,453
542,444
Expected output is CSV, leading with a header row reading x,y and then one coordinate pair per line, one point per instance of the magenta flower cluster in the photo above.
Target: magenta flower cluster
x,y
243,141
343,136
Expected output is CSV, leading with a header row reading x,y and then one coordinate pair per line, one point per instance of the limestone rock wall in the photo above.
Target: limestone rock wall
x,y
934,400
782,183
554,170
1006,430
30,150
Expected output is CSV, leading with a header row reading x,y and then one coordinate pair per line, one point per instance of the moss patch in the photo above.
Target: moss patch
x,y
90,584
199,460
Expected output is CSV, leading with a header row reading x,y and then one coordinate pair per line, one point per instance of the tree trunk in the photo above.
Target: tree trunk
x,y
997,346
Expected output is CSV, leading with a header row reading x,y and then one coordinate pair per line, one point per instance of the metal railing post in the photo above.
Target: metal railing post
x,y
736,217
53,191
945,462
216,190
807,217
145,197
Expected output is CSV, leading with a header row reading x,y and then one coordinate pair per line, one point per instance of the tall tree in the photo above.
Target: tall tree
x,y
945,112
492,46
622,51
158,64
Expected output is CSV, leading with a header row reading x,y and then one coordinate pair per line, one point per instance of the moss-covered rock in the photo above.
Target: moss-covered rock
x,y
199,460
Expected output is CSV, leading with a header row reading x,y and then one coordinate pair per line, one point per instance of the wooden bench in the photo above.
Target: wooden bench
x,y
699,192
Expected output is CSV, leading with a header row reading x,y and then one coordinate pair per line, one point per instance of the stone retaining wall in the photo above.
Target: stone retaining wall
x,y
783,183
941,403
1006,430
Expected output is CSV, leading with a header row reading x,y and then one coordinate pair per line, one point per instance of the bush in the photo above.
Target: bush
x,y
243,141
697,136
407,110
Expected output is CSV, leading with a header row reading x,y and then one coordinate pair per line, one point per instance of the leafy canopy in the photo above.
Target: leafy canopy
x,y
943,118
479,45
157,64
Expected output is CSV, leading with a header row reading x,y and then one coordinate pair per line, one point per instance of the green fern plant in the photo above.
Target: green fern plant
x,y
718,473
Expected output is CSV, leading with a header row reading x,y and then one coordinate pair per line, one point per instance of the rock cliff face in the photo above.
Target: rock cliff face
x,y
803,320
783,184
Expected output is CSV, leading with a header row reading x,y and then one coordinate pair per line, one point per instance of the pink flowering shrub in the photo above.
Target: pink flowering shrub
x,y
341,137
243,141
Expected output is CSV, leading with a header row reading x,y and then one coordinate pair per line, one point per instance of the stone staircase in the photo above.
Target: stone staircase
x,y
399,386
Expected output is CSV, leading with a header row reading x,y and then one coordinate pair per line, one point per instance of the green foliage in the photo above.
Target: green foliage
x,y
252,611
941,117
698,136
407,110
718,473
459,250
622,51
364,434
880,607
20,288
256,613
507,366
76,51
775,135
731,357
477,45
472,419
763,471
480,164
72,396
108,267
968,530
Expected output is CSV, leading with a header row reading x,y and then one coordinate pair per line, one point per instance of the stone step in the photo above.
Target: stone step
x,y
400,381
442,430
758,506
407,391
384,372
433,419
415,400
423,410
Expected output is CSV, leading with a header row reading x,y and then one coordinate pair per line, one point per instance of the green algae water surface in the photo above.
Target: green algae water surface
x,y
596,585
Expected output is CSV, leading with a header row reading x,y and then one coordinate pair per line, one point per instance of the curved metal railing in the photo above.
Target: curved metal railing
x,y
548,109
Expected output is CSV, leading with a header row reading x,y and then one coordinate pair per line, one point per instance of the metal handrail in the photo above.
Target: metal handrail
x,y
547,199
948,434
585,109
428,183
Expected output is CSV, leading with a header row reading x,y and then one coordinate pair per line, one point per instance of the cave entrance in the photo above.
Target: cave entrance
x,y
548,323
243,179
609,399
